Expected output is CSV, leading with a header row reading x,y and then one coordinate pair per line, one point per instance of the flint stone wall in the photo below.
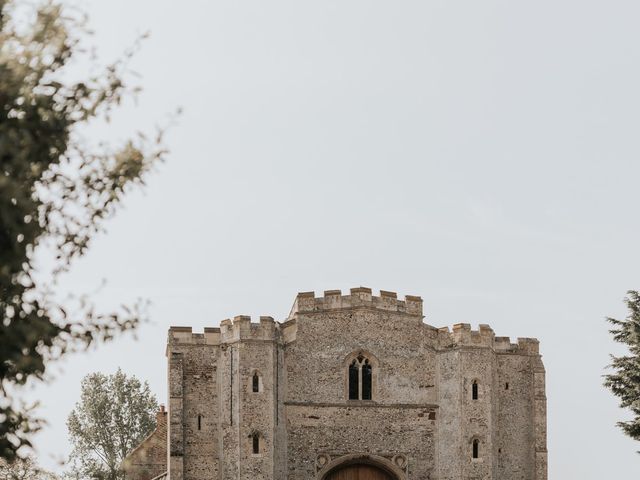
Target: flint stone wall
x,y
420,424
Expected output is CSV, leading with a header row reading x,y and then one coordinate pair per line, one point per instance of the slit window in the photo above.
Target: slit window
x,y
255,383
366,381
506,386
474,390
255,440
360,378
199,422
353,380
475,448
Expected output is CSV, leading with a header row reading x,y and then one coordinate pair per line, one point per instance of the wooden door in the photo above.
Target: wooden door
x,y
359,472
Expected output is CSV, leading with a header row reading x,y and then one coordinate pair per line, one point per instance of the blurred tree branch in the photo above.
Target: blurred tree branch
x,y
24,469
55,193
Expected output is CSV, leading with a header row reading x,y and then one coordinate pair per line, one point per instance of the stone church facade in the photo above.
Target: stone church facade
x,y
348,387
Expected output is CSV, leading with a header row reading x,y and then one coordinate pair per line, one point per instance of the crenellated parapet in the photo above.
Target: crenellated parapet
x,y
185,336
463,336
240,328
527,346
361,297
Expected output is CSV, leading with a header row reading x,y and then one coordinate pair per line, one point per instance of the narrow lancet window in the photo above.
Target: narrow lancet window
x,y
366,380
476,448
354,373
199,422
474,390
256,443
360,378
256,382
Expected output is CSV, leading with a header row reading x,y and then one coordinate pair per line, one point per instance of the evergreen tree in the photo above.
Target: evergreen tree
x,y
625,382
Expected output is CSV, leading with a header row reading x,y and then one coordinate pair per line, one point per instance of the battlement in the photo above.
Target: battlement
x,y
185,335
307,302
463,335
240,328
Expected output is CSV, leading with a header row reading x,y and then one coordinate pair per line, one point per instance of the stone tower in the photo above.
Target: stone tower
x,y
353,386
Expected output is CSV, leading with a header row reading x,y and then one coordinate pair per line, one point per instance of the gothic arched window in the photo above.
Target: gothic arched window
x,y
474,390
255,382
360,378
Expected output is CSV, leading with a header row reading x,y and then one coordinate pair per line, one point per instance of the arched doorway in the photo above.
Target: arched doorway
x,y
358,472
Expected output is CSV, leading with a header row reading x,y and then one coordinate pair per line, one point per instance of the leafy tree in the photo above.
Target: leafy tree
x,y
24,469
625,382
55,193
114,414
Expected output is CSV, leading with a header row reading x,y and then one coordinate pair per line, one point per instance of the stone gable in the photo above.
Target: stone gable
x,y
149,459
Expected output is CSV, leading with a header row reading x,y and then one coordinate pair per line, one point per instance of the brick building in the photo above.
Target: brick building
x,y
348,387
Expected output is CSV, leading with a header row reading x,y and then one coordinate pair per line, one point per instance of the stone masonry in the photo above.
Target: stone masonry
x,y
149,459
271,400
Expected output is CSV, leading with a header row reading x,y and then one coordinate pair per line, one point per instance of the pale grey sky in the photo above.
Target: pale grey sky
x,y
483,155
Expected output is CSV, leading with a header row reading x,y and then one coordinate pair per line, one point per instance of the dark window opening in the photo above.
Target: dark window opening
x,y
256,383
506,386
256,443
360,378
353,381
474,390
199,422
366,381
476,448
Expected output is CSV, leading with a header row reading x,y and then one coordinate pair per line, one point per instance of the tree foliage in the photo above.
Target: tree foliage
x,y
114,414
24,469
625,382
55,193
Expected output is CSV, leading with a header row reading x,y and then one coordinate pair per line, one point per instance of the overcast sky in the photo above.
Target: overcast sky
x,y
481,154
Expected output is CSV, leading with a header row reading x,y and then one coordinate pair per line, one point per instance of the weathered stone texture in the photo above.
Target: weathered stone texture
x,y
193,405
340,431
422,419
405,374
